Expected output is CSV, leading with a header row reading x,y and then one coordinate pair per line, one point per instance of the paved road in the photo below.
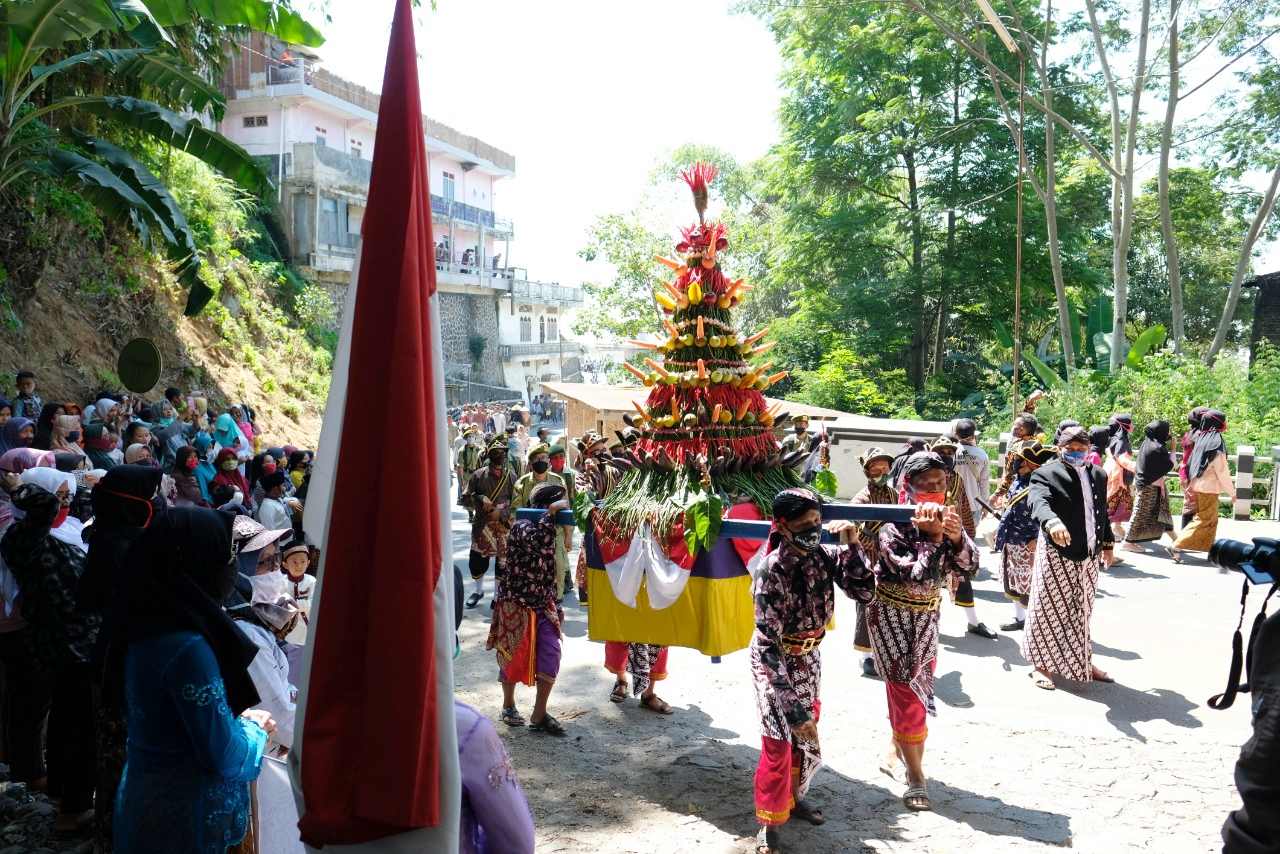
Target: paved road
x,y
1140,765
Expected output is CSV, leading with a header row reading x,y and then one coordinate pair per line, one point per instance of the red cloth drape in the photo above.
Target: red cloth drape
x,y
369,742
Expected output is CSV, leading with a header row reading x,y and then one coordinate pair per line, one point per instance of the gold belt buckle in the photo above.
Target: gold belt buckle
x,y
808,644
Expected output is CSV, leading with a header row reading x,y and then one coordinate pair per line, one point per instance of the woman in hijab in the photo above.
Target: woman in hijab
x,y
99,442
794,601
1099,438
1119,469
45,551
122,508
299,462
1063,425
1188,442
263,464
186,656
139,455
104,411
227,435
266,615
914,445
229,475
44,425
204,470
1151,516
1208,476
243,416
26,702
6,410
66,434
18,432
184,477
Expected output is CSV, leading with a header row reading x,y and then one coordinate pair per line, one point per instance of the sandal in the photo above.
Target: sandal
x,y
511,717
1101,676
916,799
619,692
896,772
1174,554
767,841
1042,681
547,724
803,810
662,708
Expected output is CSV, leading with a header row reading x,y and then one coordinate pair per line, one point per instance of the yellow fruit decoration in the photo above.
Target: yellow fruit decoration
x,y
665,301
695,293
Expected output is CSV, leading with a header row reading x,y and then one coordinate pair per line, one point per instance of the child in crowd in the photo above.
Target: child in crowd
x,y
27,404
297,557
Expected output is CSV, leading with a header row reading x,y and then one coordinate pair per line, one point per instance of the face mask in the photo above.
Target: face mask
x,y
192,463
931,498
879,480
602,455
73,436
557,464
497,462
808,539
949,463
63,512
800,431
229,465
1075,458
268,468
540,466
267,588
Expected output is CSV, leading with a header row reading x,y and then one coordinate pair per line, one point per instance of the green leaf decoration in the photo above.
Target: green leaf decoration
x,y
702,523
583,503
1003,335
1151,337
826,483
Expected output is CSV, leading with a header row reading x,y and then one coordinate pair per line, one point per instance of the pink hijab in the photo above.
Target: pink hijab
x,y
17,461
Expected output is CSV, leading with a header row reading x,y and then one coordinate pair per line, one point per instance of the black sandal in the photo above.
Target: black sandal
x,y
511,717
803,810
662,707
547,724
619,692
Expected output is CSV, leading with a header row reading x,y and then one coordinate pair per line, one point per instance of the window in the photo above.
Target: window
x,y
526,329
255,121
447,186
551,329
320,141
355,152
542,330
328,205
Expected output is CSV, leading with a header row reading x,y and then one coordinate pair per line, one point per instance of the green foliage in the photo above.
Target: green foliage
x,y
826,483
476,345
622,306
702,519
840,384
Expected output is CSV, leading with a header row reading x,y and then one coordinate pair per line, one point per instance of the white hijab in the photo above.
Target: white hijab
x,y
71,531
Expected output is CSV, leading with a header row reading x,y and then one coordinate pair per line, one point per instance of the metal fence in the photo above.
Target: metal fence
x,y
1245,466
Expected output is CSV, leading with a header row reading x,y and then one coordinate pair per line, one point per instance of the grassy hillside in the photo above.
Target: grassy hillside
x,y
74,289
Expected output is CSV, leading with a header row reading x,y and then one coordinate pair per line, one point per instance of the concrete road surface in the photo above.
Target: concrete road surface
x,y
1139,765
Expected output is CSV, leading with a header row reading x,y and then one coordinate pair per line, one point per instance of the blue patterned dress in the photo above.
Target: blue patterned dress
x,y
190,758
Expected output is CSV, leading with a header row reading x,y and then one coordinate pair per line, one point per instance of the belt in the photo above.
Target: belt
x,y
900,597
803,643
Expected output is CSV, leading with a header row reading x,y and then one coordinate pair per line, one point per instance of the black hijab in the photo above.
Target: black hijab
x,y
1154,460
1120,425
1099,437
914,445
1063,425
121,505
178,572
122,498
67,462
44,426
1208,443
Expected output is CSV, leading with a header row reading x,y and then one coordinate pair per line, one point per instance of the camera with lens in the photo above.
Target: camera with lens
x,y
1259,560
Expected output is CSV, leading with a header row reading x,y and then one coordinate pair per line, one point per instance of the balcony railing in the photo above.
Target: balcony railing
x,y
464,212
545,293
507,352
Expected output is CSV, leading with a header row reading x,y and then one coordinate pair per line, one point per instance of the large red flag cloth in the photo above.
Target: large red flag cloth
x,y
370,751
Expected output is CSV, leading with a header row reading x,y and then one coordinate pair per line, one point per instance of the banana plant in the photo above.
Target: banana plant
x,y
37,136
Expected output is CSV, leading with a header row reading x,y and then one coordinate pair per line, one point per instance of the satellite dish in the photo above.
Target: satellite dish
x,y
139,365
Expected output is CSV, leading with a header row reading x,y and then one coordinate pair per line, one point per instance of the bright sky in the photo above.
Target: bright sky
x,y
586,95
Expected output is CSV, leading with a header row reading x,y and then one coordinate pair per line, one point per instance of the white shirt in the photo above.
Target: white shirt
x,y
301,593
274,516
269,671
974,469
1090,521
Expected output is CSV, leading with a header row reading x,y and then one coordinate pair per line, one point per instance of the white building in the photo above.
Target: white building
x,y
315,132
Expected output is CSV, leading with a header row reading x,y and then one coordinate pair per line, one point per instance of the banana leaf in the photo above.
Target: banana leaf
x,y
167,73
1047,375
1003,335
1151,337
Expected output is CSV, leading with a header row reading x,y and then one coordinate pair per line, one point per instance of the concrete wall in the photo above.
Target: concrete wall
x,y
463,315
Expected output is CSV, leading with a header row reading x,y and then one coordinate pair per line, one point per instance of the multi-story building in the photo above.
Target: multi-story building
x,y
315,132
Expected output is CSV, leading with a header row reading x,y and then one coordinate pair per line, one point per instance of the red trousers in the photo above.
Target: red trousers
x,y
906,713
615,660
780,763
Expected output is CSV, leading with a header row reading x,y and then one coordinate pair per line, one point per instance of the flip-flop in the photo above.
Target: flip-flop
x,y
1174,554
917,793
803,810
1042,681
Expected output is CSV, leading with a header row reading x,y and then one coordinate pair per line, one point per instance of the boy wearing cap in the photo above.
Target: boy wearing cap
x,y
799,440
539,473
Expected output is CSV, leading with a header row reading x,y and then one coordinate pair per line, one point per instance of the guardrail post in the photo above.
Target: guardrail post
x,y
1002,457
1274,515
1244,482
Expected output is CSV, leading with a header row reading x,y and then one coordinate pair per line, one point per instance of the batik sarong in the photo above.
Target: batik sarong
x,y
904,642
1151,516
645,662
1015,570
1056,637
527,643
1199,535
783,756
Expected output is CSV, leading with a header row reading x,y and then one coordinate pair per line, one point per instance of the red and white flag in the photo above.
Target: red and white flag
x,y
375,763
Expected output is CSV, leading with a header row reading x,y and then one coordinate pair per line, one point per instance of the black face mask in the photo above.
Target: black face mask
x,y
540,466
808,539
602,455
800,431
949,463
497,462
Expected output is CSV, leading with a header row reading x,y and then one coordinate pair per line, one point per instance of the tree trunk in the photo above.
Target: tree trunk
x,y
920,336
1166,209
1050,200
1242,266
1120,258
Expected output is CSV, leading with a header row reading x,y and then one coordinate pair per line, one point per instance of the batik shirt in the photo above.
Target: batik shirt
x,y
1017,527
908,559
868,532
498,490
795,593
530,579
